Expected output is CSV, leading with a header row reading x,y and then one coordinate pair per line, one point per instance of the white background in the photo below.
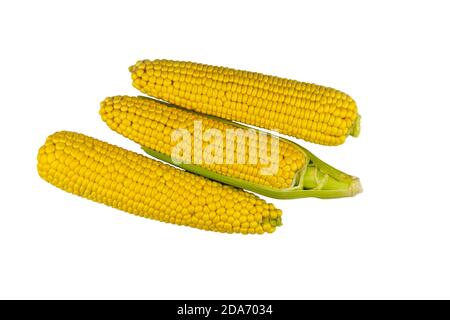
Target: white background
x,y
59,59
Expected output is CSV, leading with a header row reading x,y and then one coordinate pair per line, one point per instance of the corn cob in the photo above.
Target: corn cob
x,y
136,184
311,112
300,174
151,123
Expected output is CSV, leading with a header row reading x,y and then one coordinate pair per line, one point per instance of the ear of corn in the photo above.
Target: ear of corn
x,y
300,174
136,184
151,124
311,112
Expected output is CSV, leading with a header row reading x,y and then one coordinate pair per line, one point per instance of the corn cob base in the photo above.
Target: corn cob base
x,y
317,179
